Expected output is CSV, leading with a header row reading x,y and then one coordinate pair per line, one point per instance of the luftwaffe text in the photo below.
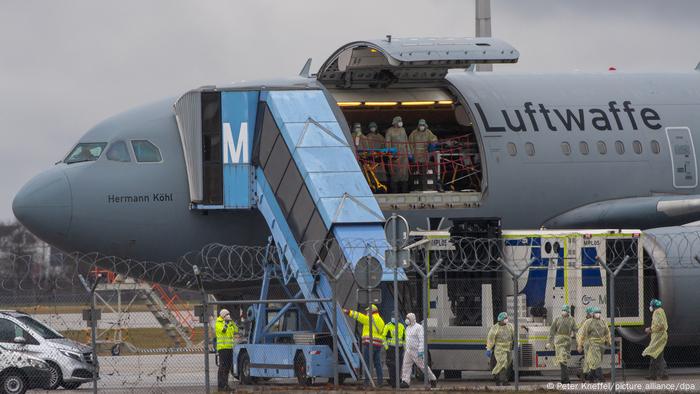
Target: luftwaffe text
x,y
536,117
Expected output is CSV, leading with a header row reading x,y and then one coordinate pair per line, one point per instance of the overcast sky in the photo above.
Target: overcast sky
x,y
66,65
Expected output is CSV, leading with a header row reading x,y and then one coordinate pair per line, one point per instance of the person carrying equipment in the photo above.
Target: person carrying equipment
x,y
391,345
374,140
499,342
371,337
225,329
560,333
581,343
419,141
659,337
414,352
396,138
596,332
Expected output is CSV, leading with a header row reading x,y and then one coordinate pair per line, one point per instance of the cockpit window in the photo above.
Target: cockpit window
x,y
118,152
146,152
89,151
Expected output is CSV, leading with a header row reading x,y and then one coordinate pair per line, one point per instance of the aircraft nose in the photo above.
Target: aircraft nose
x,y
44,205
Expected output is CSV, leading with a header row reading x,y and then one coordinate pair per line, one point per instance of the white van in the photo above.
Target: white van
x,y
70,363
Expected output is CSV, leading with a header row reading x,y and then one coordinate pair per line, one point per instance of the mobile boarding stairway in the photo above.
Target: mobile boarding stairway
x,y
286,155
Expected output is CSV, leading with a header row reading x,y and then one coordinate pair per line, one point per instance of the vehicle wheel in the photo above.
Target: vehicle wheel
x,y
300,370
56,377
341,379
13,383
71,385
116,350
244,369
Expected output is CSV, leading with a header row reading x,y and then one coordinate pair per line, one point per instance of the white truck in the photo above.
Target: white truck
x,y
561,267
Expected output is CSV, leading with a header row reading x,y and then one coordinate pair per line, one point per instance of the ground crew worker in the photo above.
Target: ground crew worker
x,y
659,337
597,334
419,142
357,137
396,138
391,345
499,341
414,352
374,140
225,329
371,338
560,333
581,343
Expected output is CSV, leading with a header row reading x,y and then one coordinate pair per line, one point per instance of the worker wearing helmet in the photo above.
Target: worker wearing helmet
x,y
597,334
560,333
375,141
225,329
372,329
414,352
419,141
580,342
499,342
396,138
659,337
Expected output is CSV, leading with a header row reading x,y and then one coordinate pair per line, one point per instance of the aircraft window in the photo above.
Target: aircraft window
x,y
146,152
118,152
89,151
512,150
655,147
566,148
637,146
583,147
602,148
529,149
620,147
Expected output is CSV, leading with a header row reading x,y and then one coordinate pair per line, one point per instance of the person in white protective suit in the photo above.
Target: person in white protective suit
x,y
414,352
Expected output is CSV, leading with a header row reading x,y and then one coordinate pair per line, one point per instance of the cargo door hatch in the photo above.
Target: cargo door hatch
x,y
398,61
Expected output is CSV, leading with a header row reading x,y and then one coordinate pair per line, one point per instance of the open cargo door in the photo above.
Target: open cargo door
x,y
381,63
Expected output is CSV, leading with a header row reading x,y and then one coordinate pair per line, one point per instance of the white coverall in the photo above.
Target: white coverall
x,y
414,345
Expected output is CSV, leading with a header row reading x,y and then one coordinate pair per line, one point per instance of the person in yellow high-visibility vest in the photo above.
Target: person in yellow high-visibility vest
x,y
391,345
371,337
225,329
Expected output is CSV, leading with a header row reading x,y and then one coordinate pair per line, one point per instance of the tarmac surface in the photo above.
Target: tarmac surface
x,y
71,321
184,373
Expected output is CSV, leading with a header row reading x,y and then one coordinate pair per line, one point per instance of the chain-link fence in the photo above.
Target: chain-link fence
x,y
150,336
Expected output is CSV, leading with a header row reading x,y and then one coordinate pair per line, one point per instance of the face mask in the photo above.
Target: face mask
x,y
421,128
651,309
400,124
408,322
373,129
358,130
597,315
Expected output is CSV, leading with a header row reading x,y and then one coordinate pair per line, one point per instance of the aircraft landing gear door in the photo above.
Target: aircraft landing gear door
x,y
683,159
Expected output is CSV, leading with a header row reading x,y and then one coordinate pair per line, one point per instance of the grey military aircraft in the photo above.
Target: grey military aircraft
x,y
574,150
